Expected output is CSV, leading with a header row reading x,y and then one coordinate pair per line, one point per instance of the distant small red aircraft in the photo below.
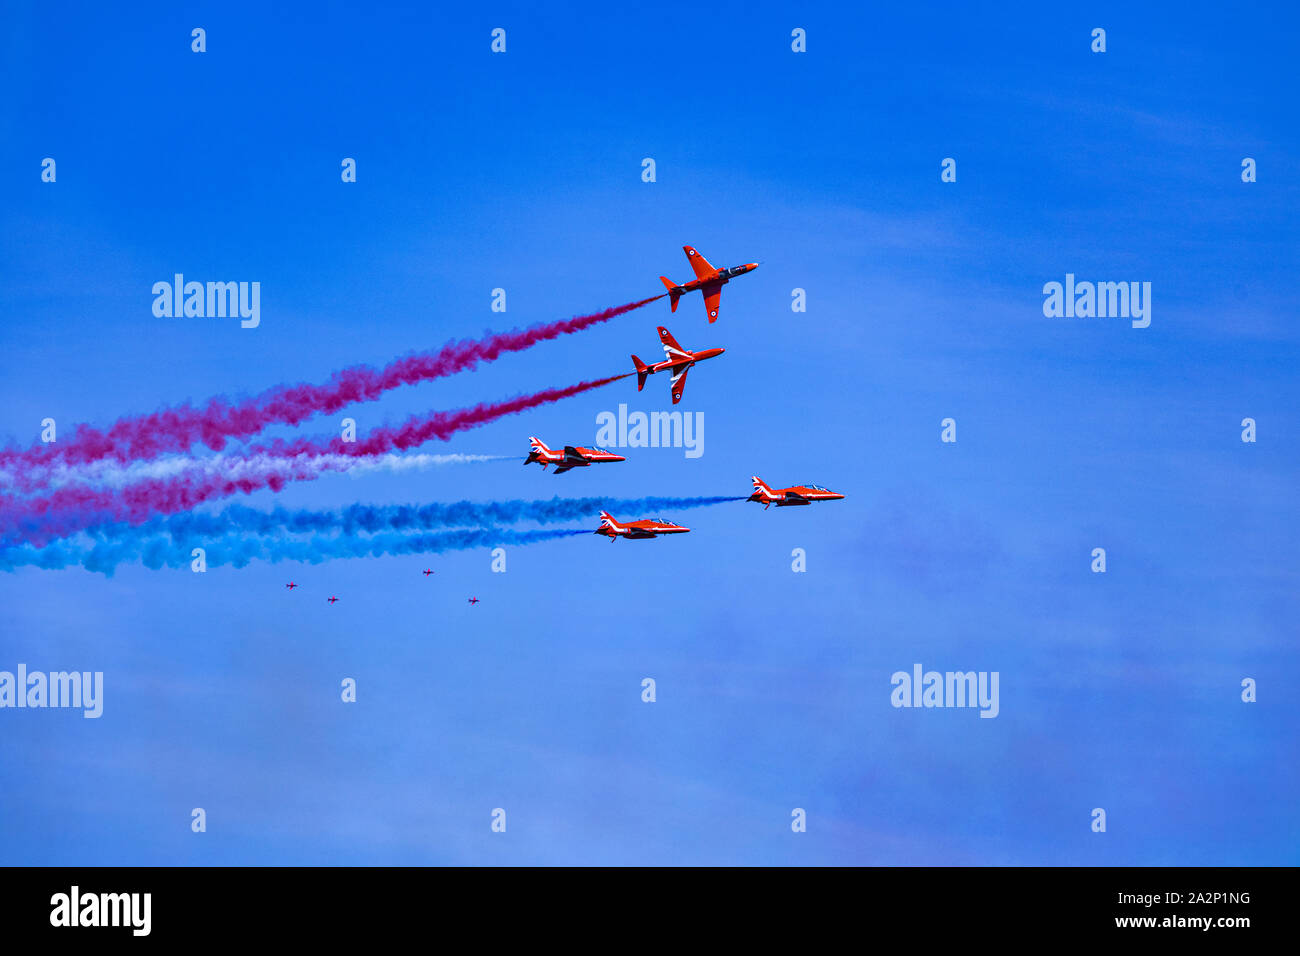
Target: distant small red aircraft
x,y
473,600
645,528
291,585
571,457
428,572
331,599
677,360
707,279
794,495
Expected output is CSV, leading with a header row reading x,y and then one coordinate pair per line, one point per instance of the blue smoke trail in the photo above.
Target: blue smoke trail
x,y
371,519
161,552
230,536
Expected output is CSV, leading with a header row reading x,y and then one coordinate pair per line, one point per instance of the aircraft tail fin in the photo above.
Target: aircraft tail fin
x,y
761,487
538,448
641,372
674,295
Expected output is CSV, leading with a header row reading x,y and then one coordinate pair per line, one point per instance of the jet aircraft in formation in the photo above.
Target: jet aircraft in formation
x,y
571,457
794,495
708,280
676,360
644,528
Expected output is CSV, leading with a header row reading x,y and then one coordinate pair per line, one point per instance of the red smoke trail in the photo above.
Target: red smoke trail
x,y
177,429
439,425
68,510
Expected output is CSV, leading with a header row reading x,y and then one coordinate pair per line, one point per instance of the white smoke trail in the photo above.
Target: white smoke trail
x,y
236,467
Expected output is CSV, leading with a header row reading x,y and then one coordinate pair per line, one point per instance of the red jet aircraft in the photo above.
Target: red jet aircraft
x,y
473,600
291,585
429,571
571,457
331,599
707,279
677,360
795,495
645,528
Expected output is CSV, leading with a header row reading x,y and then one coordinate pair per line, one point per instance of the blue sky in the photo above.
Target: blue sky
x,y
523,171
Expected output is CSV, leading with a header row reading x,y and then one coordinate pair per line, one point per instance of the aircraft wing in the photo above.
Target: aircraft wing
x,y
678,384
561,469
698,263
573,458
712,297
669,342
